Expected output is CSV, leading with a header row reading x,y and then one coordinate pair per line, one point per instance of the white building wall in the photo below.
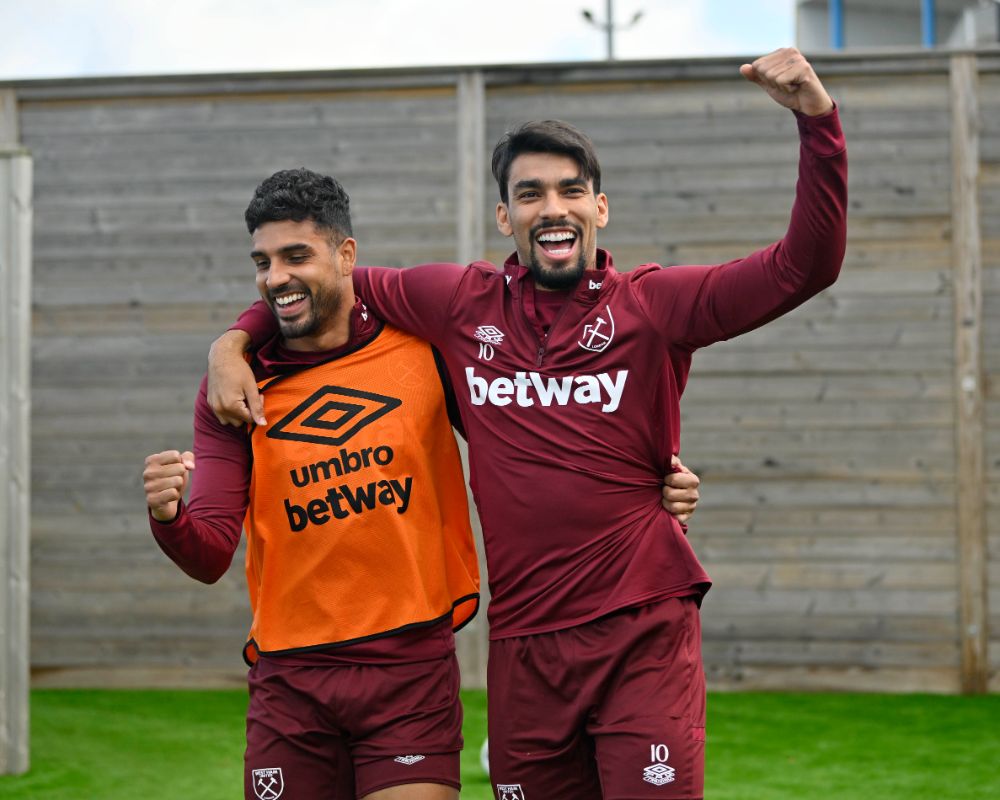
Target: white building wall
x,y
892,23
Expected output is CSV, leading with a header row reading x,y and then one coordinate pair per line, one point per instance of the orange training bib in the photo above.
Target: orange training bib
x,y
358,522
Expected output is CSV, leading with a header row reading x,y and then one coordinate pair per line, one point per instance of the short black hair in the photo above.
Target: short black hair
x,y
546,136
301,194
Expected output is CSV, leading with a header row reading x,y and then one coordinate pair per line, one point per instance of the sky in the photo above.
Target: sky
x,y
74,38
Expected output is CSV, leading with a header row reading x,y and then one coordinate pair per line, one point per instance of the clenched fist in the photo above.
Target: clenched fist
x,y
165,478
790,81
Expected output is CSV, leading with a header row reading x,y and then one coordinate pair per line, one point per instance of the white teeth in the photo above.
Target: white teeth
x,y
288,299
556,236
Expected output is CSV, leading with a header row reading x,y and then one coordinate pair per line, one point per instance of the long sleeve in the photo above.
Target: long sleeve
x,y
203,537
259,322
699,305
417,299
414,299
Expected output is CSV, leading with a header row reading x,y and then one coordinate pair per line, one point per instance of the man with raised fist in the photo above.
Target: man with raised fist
x,y
570,377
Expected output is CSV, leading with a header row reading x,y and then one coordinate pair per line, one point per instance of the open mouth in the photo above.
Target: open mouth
x,y
290,303
557,244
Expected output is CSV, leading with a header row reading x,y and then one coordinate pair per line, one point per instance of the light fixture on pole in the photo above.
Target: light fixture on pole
x,y
608,26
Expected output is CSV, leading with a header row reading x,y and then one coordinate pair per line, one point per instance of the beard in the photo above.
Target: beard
x,y
323,306
557,279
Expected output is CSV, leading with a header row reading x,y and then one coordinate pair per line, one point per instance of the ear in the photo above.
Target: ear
x,y
602,210
503,220
347,250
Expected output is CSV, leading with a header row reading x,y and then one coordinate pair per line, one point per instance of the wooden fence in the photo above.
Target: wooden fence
x,y
850,451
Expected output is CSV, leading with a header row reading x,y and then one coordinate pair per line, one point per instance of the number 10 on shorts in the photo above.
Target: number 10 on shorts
x,y
658,753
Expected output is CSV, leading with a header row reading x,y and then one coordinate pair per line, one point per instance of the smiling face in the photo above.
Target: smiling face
x,y
553,214
306,280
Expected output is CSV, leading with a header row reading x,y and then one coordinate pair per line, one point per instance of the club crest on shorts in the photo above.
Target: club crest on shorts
x,y
510,791
658,773
268,783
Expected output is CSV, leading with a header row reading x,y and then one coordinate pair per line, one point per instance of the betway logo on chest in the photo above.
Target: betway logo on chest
x,y
525,388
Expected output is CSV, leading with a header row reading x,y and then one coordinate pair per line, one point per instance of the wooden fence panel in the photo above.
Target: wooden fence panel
x,y
989,220
141,258
826,440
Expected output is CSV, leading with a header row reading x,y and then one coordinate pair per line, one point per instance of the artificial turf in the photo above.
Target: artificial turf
x,y
106,745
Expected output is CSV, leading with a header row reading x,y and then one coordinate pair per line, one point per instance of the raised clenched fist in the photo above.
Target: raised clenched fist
x,y
790,81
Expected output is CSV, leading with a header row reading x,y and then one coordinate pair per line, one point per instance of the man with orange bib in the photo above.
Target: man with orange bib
x,y
360,557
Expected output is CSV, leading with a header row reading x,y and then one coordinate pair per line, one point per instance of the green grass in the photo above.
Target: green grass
x,y
853,747
160,745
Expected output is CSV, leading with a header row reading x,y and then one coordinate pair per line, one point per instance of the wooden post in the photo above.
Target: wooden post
x,y
471,167
970,427
8,118
15,498
470,218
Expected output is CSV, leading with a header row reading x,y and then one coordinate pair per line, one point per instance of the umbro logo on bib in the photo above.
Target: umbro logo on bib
x,y
332,415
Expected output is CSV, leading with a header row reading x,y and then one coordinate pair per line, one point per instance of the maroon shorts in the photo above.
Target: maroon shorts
x,y
611,709
339,732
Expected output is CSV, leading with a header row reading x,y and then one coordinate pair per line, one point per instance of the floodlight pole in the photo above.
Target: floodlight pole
x,y
608,26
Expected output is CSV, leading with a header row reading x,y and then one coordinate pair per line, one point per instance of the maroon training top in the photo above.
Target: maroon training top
x,y
570,429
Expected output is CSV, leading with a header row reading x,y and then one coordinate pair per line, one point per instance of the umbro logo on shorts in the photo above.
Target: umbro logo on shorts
x,y
408,760
658,774
332,415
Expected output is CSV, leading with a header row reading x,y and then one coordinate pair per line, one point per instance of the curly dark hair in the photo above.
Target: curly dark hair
x,y
547,136
301,194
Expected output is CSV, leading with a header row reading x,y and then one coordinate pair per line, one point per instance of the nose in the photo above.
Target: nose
x,y
553,207
277,274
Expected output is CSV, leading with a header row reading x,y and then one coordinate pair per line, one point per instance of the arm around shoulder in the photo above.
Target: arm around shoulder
x,y
232,391
415,299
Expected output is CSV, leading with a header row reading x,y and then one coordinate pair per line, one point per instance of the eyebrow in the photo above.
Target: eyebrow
x,y
535,183
288,248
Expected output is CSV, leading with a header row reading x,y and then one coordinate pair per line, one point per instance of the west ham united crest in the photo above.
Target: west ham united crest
x,y
510,791
268,783
597,335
